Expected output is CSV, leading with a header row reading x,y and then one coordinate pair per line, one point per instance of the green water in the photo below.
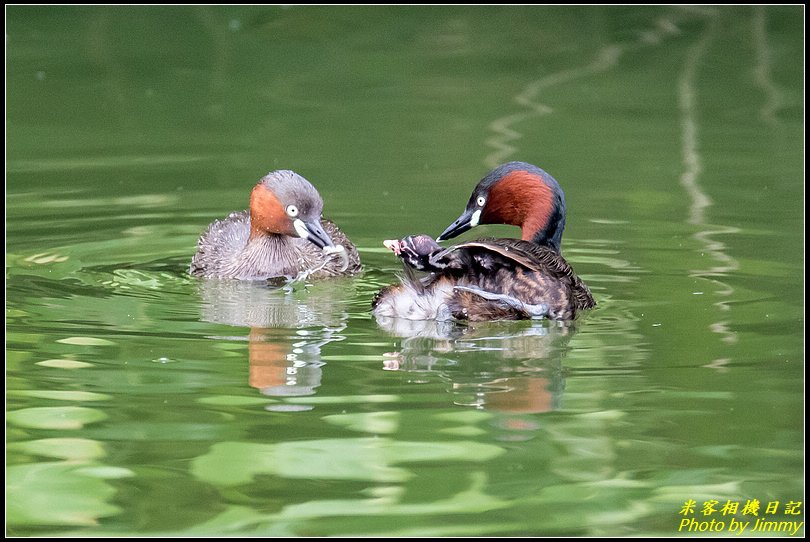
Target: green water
x,y
141,401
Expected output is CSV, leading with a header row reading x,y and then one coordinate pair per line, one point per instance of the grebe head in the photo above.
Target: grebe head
x,y
285,203
519,194
414,250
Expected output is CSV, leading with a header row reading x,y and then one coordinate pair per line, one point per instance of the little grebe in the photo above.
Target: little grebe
x,y
282,235
492,278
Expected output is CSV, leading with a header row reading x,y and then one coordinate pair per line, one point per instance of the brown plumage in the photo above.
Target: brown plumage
x,y
282,235
492,278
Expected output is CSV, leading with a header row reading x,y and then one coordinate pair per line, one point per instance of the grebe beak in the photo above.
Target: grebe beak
x,y
463,223
313,232
394,245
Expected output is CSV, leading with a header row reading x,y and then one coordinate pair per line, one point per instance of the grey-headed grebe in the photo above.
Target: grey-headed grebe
x,y
282,235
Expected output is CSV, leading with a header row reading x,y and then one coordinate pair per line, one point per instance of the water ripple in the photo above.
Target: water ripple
x,y
774,97
607,57
505,133
689,180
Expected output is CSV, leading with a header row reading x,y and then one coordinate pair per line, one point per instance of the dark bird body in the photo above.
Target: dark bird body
x,y
492,278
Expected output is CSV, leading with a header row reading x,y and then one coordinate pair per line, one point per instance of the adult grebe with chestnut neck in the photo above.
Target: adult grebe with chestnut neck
x,y
282,235
492,278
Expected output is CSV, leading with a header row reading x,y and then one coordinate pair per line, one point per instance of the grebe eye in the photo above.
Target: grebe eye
x,y
292,210
481,201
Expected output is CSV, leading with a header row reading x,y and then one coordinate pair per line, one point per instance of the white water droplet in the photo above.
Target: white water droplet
x,y
164,360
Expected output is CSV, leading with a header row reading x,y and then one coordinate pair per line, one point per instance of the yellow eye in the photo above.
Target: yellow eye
x,y
292,210
481,201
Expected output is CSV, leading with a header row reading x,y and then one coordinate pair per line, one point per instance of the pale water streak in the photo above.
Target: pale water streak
x,y
774,97
606,58
693,167
690,152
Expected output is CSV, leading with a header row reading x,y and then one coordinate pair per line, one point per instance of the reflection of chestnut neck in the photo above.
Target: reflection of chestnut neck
x,y
268,361
275,368
526,395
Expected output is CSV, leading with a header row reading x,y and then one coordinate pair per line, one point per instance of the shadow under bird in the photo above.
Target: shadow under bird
x,y
492,278
282,235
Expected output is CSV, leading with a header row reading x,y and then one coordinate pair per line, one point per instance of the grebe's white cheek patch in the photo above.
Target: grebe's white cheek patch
x,y
301,228
476,216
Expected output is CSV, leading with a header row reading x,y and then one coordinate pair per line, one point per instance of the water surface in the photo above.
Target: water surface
x,y
141,401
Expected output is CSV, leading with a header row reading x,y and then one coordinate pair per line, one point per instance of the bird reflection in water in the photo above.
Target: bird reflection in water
x,y
288,329
504,367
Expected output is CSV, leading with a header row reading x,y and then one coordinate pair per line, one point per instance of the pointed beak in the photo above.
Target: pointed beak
x,y
463,223
313,232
